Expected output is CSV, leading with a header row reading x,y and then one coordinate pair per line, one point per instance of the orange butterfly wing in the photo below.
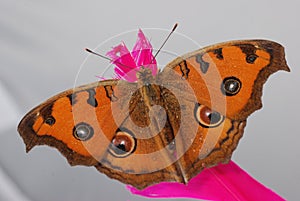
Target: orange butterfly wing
x,y
84,123
54,123
227,78
249,61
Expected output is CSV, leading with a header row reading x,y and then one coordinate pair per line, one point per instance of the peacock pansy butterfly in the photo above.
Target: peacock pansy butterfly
x,y
164,127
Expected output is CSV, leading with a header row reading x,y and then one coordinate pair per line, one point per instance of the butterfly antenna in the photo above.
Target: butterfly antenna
x,y
100,55
107,58
175,26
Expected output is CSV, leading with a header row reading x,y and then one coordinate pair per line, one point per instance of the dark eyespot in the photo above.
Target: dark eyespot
x,y
207,117
50,120
83,131
123,144
251,58
231,86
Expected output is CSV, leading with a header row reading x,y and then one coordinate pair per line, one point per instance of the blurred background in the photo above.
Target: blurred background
x,y
42,52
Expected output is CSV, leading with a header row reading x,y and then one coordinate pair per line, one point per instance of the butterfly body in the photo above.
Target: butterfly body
x,y
164,127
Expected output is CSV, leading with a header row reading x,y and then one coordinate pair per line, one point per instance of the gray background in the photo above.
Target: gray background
x,y
42,49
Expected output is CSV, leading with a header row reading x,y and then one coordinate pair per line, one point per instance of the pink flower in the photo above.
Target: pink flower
x,y
128,63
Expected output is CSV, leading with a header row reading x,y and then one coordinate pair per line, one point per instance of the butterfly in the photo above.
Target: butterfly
x,y
166,126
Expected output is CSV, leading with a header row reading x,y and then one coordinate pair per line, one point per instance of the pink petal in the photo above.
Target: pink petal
x,y
142,53
128,63
125,64
223,182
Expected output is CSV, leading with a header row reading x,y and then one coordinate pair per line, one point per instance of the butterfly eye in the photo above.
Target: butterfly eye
x,y
83,131
251,58
231,86
207,117
123,144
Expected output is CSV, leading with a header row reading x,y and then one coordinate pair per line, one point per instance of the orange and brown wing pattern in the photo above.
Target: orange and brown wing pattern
x,y
203,137
107,125
225,86
79,122
211,146
147,136
229,77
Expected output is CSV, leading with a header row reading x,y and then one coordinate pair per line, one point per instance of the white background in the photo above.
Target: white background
x,y
42,48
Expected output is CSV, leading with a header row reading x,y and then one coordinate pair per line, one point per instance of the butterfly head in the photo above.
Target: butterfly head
x,y
144,75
